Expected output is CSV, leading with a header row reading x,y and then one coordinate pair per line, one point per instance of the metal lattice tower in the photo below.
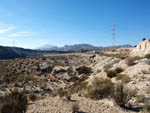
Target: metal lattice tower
x,y
113,35
13,43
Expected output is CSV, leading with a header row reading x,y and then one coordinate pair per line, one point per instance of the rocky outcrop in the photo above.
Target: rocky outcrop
x,y
141,49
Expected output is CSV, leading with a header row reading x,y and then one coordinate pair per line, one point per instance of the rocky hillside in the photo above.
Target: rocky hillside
x,y
14,52
111,81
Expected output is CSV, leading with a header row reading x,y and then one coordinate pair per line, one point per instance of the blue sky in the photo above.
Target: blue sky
x,y
32,23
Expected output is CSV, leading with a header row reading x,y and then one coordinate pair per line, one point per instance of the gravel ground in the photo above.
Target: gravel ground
x,y
55,105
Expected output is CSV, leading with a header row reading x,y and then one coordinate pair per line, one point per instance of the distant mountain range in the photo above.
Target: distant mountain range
x,y
47,47
76,47
16,52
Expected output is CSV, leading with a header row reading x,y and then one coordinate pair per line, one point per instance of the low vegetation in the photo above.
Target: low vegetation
x,y
75,108
119,70
75,81
108,66
16,102
123,77
147,56
111,73
146,108
130,61
84,70
122,56
33,97
64,95
104,88
122,95
100,88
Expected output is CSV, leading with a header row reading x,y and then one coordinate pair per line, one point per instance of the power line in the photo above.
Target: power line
x,y
113,35
13,43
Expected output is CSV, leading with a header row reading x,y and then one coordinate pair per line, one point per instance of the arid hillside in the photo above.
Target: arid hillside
x,y
111,81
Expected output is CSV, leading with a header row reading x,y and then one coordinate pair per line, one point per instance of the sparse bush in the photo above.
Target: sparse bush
x,y
123,77
64,95
59,71
73,79
77,87
33,97
108,66
130,60
119,70
28,78
3,69
75,108
140,98
98,71
146,108
147,56
16,102
122,95
47,70
84,70
100,88
111,73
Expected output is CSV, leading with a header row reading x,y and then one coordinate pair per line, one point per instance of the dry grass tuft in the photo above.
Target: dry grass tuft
x,y
75,108
123,77
16,102
100,88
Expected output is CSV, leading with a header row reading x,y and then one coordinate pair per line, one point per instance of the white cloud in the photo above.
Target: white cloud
x,y
5,39
21,34
6,30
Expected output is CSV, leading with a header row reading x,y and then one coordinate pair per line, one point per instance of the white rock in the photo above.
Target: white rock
x,y
141,49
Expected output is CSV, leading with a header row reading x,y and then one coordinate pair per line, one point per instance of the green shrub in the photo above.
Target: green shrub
x,y
16,102
111,73
100,88
84,70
